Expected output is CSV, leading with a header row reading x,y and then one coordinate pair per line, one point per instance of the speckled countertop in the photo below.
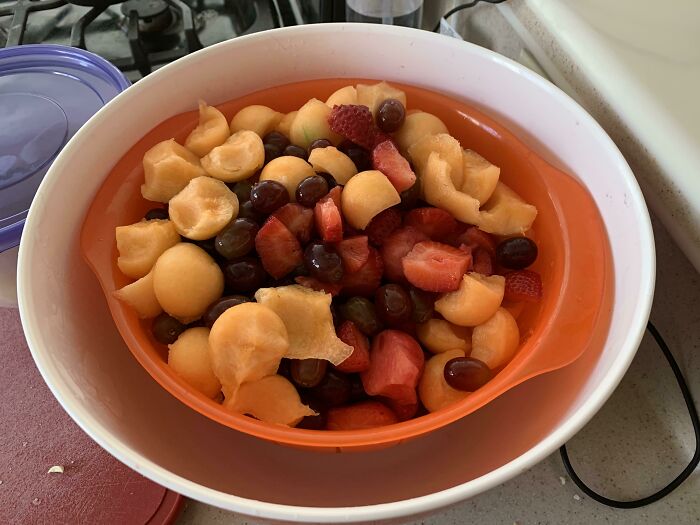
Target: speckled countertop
x,y
642,437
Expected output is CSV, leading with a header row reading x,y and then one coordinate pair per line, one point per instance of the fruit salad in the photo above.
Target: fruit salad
x,y
343,266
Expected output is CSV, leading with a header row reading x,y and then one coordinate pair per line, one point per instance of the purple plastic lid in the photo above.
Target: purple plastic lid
x,y
46,93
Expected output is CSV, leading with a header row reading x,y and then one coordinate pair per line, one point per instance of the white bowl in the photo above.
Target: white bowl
x,y
94,376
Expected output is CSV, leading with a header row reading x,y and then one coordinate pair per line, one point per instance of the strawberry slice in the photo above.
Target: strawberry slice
x,y
355,123
319,286
403,411
359,359
365,280
435,267
387,159
278,248
434,222
329,221
483,263
298,219
395,365
368,414
395,248
523,285
383,225
354,251
335,195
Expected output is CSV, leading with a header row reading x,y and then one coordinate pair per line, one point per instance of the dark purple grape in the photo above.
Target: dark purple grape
x,y
272,151
295,151
244,275
357,389
357,154
334,390
268,196
466,373
284,368
516,253
319,143
423,305
307,373
390,115
237,239
299,271
206,244
156,213
361,311
217,308
393,304
323,262
330,180
410,197
317,422
310,190
166,329
246,211
275,138
242,190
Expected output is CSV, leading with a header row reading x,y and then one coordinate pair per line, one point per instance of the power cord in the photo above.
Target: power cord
x,y
687,471
463,6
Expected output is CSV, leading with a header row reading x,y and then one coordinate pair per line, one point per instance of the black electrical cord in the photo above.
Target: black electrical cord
x,y
463,6
665,491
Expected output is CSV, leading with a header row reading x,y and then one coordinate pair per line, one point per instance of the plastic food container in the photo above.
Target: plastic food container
x,y
46,93
88,367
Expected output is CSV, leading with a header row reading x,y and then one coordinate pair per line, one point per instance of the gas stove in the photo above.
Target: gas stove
x,y
138,36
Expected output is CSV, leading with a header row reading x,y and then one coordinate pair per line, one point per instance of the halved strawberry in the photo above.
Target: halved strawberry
x,y
335,195
298,219
435,267
319,286
396,363
434,222
395,248
359,359
354,251
523,285
278,248
367,414
475,237
483,263
383,225
365,280
387,159
403,411
354,122
329,221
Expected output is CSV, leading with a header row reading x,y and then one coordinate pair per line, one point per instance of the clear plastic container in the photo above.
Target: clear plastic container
x,y
395,12
47,92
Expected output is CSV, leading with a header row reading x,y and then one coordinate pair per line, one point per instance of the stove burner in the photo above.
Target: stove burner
x,y
154,16
94,3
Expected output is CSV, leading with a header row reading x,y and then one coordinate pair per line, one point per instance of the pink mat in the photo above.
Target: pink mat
x,y
37,434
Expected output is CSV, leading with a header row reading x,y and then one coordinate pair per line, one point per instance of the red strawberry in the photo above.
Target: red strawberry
x,y
483,263
435,267
395,248
278,248
368,414
395,365
383,225
329,221
319,286
523,285
335,195
298,219
365,280
354,122
476,237
354,251
387,159
403,412
359,359
434,222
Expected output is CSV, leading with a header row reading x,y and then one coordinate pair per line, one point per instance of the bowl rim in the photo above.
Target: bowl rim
x,y
570,424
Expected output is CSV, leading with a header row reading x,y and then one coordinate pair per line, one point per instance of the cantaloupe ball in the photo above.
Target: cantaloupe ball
x,y
141,297
259,119
289,171
366,195
433,390
236,159
438,335
168,167
211,131
189,358
140,244
186,280
416,126
474,302
496,341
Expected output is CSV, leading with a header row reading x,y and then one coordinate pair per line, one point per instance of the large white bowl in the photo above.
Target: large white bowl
x,y
95,378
